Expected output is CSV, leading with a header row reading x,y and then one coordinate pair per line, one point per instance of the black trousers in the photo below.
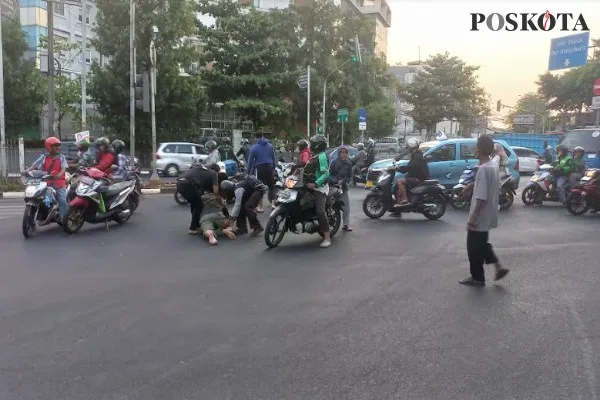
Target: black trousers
x,y
249,211
480,252
189,191
265,174
320,205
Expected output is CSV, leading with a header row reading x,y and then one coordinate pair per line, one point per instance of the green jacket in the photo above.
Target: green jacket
x,y
563,166
578,165
322,173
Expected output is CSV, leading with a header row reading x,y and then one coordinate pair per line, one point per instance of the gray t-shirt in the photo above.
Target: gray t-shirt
x,y
487,188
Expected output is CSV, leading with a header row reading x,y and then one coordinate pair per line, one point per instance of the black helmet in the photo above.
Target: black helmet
x,y
227,188
318,143
302,144
101,141
227,141
210,145
118,145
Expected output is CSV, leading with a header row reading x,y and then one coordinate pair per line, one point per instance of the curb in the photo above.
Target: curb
x,y
21,195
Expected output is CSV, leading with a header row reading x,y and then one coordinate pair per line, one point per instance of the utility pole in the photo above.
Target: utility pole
x,y
308,102
83,65
51,109
325,94
132,74
154,176
3,161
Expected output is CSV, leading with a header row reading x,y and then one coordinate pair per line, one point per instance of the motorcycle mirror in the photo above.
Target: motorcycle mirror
x,y
114,167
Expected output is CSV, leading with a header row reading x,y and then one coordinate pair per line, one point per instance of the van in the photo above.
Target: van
x,y
589,139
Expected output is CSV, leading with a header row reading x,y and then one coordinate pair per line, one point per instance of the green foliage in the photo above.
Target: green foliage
x,y
25,88
448,88
179,100
381,120
67,96
530,103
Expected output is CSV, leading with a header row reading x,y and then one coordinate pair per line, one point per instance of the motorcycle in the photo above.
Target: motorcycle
x,y
41,204
541,187
295,212
427,198
461,195
361,176
98,200
585,196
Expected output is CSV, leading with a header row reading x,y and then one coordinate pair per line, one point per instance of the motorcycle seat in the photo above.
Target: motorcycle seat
x,y
116,188
429,182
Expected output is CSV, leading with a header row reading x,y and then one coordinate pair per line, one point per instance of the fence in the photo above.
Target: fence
x,y
17,156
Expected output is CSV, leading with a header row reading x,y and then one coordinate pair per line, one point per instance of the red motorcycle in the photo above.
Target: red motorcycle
x,y
586,195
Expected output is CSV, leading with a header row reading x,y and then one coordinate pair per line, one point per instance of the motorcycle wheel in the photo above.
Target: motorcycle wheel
x,y
120,219
456,200
134,201
440,208
529,196
577,204
275,230
73,220
335,221
179,199
373,206
506,200
28,222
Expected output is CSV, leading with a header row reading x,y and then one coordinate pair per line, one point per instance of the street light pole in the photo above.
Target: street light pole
x,y
325,94
51,109
132,74
3,161
84,65
154,176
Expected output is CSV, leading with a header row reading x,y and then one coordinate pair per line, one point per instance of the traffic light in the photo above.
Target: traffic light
x,y
319,123
499,105
142,91
353,46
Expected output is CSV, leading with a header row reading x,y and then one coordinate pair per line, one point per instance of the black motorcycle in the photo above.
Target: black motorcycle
x,y
427,198
360,176
295,212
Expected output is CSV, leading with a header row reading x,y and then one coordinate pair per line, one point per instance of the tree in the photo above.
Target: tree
x,y
381,120
179,100
447,88
252,70
24,87
530,103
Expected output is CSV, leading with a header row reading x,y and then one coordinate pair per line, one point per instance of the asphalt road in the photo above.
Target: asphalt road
x,y
145,311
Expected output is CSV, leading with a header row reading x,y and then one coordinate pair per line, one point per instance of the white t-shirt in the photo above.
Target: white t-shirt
x,y
487,188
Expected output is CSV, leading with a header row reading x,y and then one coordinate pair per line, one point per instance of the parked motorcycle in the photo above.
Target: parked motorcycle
x,y
427,198
585,196
295,212
98,200
461,193
41,204
541,187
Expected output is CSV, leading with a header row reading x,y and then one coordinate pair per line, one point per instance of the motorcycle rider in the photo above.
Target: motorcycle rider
x,y
562,169
416,171
244,150
359,161
105,157
340,172
226,151
304,153
316,174
213,153
123,161
195,182
247,192
578,166
370,151
85,157
55,164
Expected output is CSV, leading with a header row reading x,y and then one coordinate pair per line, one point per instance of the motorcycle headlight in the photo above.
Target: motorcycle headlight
x,y
30,191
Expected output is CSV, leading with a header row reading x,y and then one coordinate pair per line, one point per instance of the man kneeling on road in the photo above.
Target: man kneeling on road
x,y
213,221
416,171
248,192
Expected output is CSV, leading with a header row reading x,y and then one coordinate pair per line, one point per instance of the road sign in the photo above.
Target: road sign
x,y
597,87
569,51
362,126
596,103
342,115
524,119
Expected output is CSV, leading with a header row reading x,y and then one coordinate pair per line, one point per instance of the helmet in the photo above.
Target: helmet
x,y
579,149
210,145
560,148
360,146
413,143
245,141
101,141
302,144
318,143
84,145
226,141
222,168
370,143
227,188
51,141
118,145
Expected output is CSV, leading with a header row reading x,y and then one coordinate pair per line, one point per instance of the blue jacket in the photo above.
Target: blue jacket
x,y
262,153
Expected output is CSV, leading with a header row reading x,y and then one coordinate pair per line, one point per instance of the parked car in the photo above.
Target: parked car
x,y
589,139
174,157
447,160
528,159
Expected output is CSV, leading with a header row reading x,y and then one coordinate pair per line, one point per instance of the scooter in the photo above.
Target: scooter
x,y
541,187
585,196
361,176
41,204
460,198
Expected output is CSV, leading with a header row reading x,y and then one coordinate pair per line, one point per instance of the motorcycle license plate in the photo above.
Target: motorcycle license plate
x,y
369,184
585,179
87,180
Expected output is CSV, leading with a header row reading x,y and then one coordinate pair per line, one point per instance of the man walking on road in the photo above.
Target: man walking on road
x,y
483,216
262,160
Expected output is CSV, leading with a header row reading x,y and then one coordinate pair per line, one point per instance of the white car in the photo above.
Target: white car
x,y
528,159
174,157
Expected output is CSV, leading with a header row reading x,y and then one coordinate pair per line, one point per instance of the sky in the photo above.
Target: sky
x,y
510,62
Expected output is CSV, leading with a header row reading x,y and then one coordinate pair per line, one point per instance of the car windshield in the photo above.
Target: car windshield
x,y
405,154
586,138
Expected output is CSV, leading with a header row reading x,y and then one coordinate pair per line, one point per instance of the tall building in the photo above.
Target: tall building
x,y
377,11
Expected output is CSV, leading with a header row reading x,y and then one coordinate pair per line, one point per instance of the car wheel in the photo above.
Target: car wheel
x,y
171,170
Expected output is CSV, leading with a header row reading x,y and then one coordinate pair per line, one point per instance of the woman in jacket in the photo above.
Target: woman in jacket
x,y
340,172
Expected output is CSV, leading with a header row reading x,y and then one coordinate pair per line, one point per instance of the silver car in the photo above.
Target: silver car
x,y
528,159
174,157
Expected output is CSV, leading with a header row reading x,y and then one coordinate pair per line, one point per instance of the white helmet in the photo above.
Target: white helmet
x,y
580,149
413,143
221,167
